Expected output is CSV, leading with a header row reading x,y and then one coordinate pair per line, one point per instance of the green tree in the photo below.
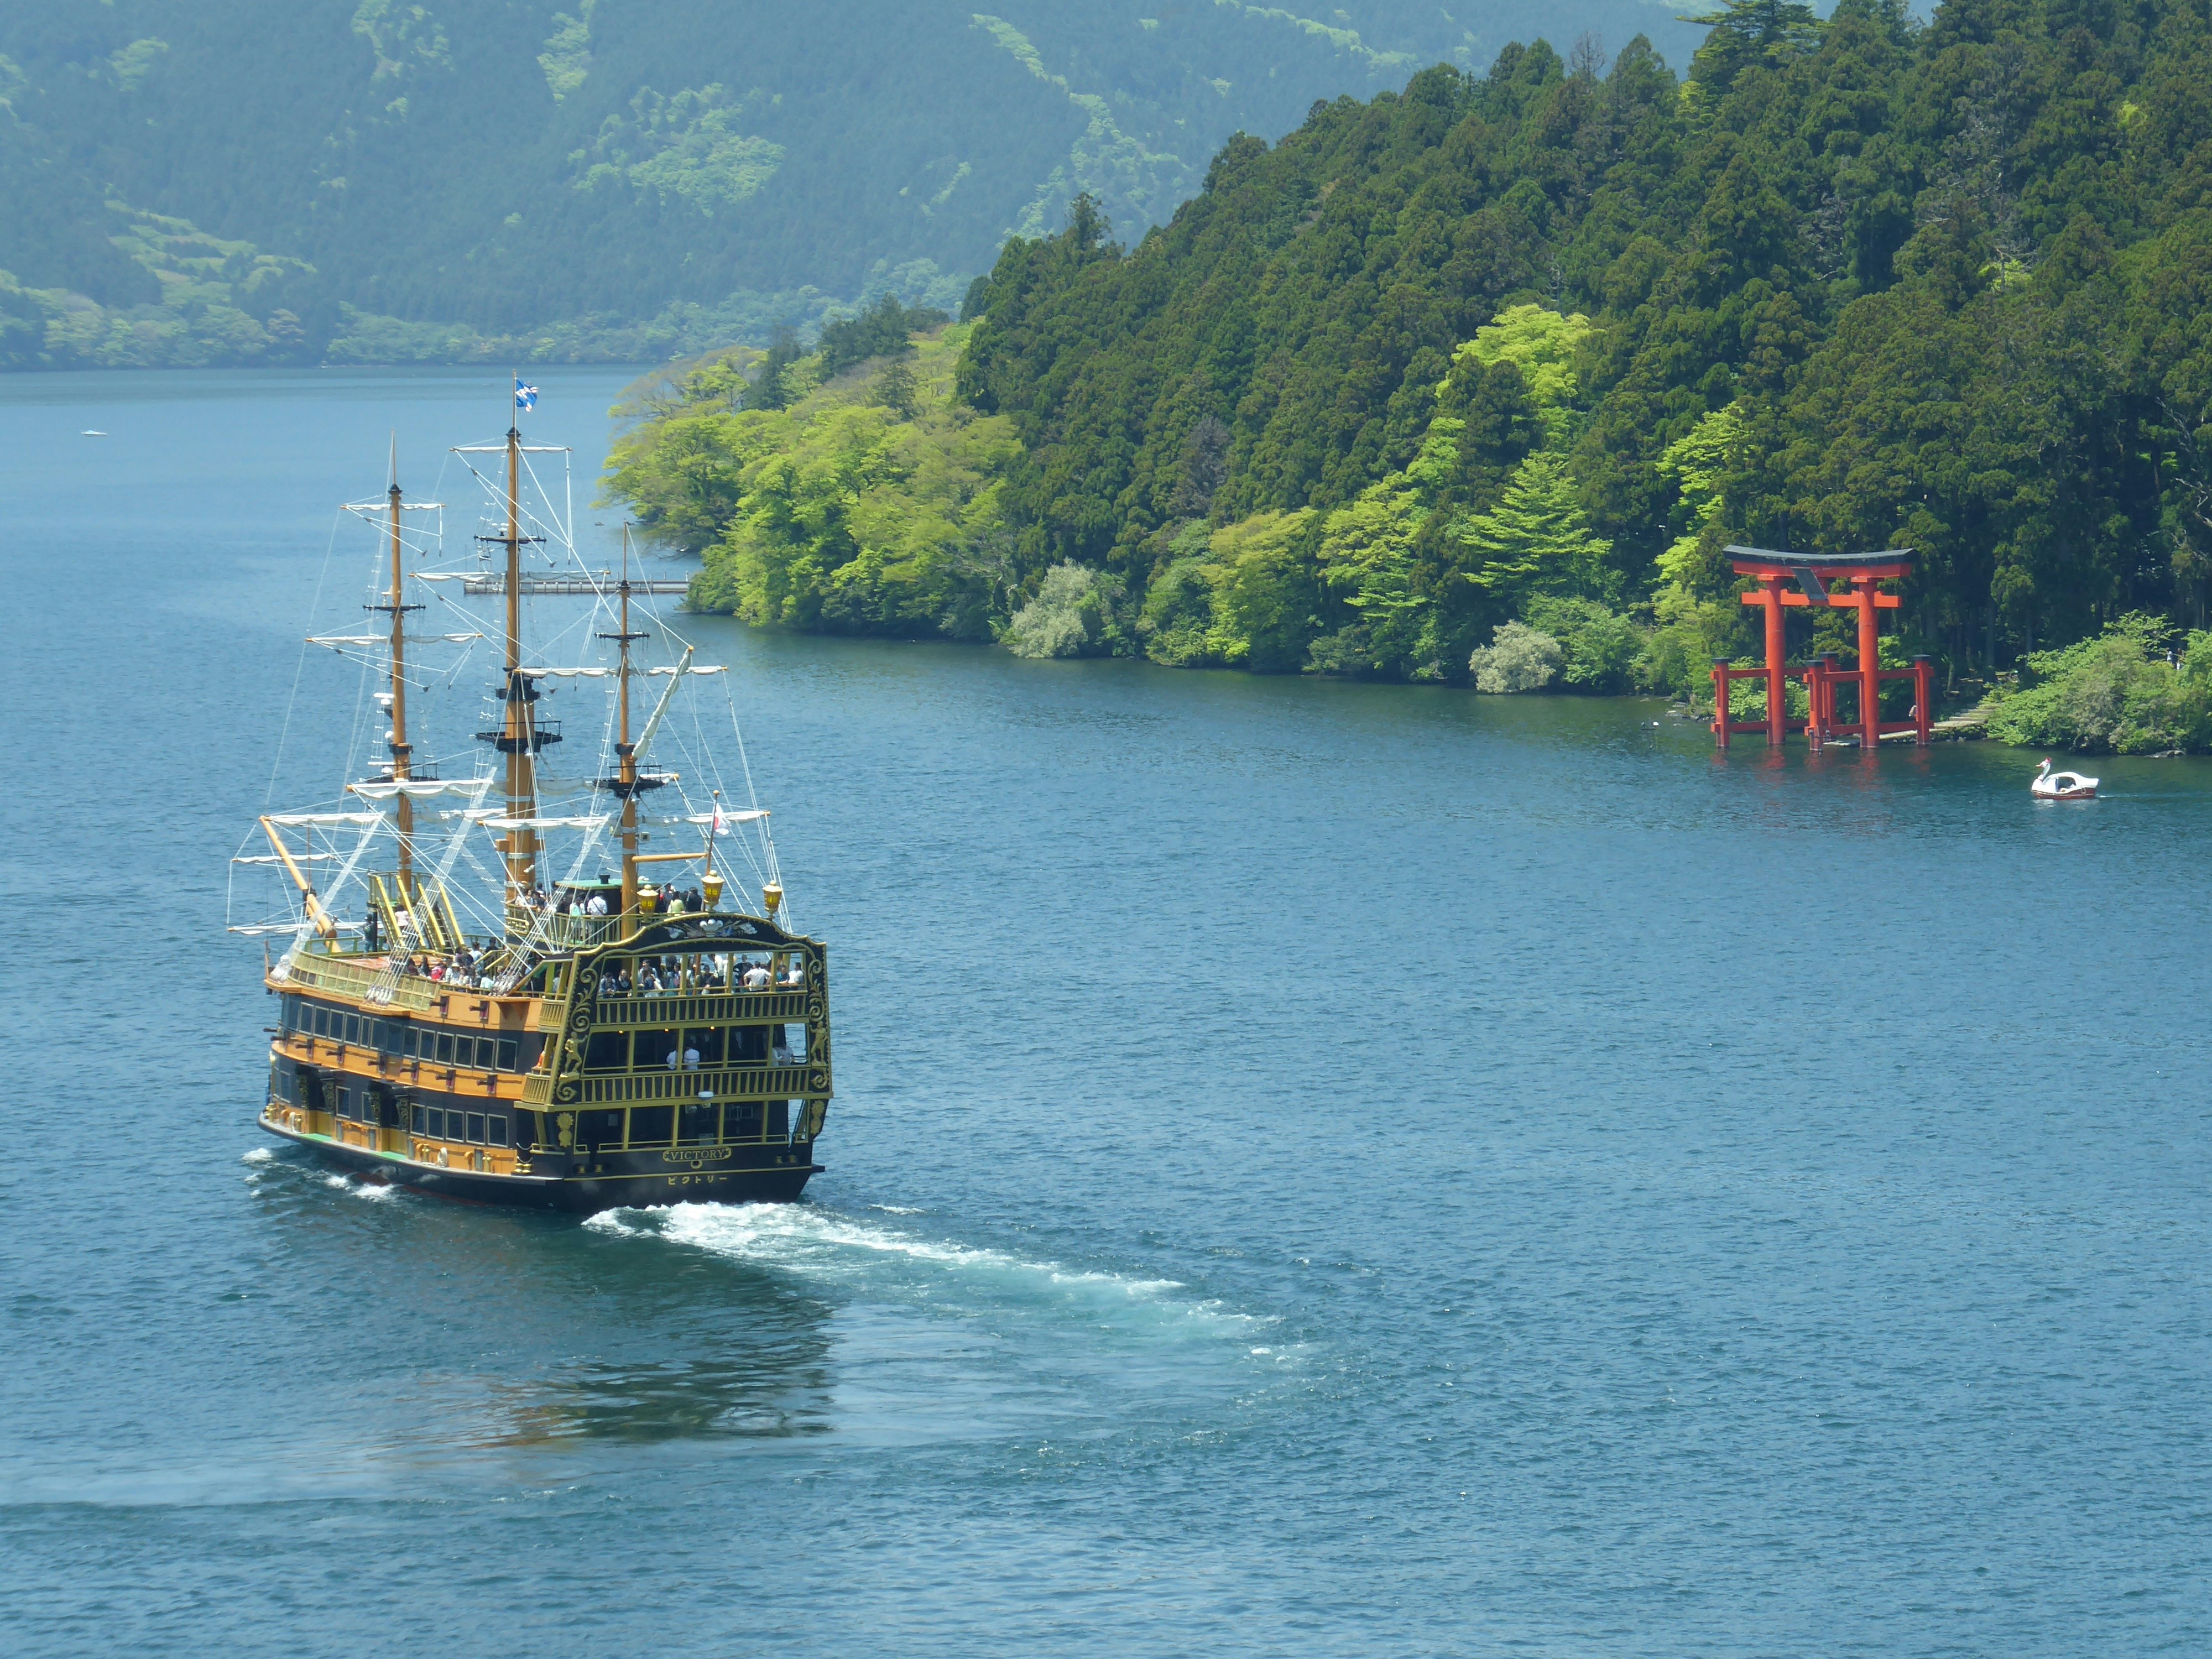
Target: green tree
x,y
1537,540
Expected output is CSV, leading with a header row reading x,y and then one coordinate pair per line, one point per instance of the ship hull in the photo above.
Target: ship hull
x,y
618,1182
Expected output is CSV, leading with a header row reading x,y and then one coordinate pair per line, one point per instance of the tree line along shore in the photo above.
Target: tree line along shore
x,y
1473,383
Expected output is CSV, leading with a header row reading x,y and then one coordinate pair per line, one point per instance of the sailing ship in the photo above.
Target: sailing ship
x,y
554,1035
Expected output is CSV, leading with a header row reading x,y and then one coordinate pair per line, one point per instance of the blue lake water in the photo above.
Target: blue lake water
x,y
1318,1169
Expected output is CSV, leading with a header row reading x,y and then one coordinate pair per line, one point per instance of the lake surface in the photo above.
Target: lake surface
x,y
1319,1169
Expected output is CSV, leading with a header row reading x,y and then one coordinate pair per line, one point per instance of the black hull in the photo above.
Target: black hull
x,y
622,1181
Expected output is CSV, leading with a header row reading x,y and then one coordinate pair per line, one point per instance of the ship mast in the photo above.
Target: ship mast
x,y
402,750
518,738
625,749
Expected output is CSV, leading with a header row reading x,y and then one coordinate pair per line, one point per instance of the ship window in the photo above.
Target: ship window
x,y
464,1051
319,1021
407,1042
601,1132
709,1042
495,1130
507,1056
353,1029
476,1126
653,1048
445,1047
779,1120
422,1120
695,1123
344,1101
438,1124
607,1051
749,1045
526,1129
742,1122
651,1126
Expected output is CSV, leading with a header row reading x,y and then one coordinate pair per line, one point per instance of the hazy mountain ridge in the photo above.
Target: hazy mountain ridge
x,y
549,178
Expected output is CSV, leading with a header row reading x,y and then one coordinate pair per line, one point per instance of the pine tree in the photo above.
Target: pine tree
x,y
894,388
1537,538
768,389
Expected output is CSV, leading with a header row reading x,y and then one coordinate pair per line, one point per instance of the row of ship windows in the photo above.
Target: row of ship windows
x,y
399,1038
638,1129
648,1127
358,1102
693,1048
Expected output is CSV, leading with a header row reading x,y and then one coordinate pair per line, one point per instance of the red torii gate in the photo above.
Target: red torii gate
x,y
1810,573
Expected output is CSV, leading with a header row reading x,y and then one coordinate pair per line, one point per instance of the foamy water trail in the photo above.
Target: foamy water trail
x,y
376,1192
882,1260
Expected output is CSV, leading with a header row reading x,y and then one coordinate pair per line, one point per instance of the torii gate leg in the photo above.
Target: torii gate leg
x,y
1869,665
1777,705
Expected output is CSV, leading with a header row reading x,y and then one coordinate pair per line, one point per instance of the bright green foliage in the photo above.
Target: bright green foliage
x,y
1537,539
1519,657
2117,693
1367,560
1696,465
1599,648
1071,615
1241,597
1542,344
837,514
1261,572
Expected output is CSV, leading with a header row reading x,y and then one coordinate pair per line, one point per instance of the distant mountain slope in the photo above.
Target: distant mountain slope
x,y
571,170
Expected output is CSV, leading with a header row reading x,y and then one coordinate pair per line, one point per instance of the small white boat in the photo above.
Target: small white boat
x,y
2061,786
90,432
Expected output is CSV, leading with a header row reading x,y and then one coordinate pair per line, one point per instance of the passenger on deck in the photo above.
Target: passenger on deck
x,y
756,978
597,907
690,1059
675,1059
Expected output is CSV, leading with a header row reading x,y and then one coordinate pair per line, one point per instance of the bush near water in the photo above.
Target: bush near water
x,y
1530,349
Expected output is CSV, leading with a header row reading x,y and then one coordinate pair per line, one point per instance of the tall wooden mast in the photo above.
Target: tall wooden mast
x,y
402,750
625,749
519,736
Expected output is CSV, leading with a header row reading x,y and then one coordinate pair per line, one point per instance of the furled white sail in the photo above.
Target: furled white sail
x,y
415,789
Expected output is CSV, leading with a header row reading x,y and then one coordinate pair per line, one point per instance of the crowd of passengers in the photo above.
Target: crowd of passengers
x,y
673,975
466,969
669,900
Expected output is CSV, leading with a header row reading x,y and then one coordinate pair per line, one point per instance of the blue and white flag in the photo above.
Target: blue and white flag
x,y
526,397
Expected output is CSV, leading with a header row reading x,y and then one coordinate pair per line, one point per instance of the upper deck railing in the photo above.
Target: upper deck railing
x,y
562,930
692,1008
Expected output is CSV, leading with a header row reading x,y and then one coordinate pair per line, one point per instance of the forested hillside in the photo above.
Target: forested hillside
x,y
381,179
1533,346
